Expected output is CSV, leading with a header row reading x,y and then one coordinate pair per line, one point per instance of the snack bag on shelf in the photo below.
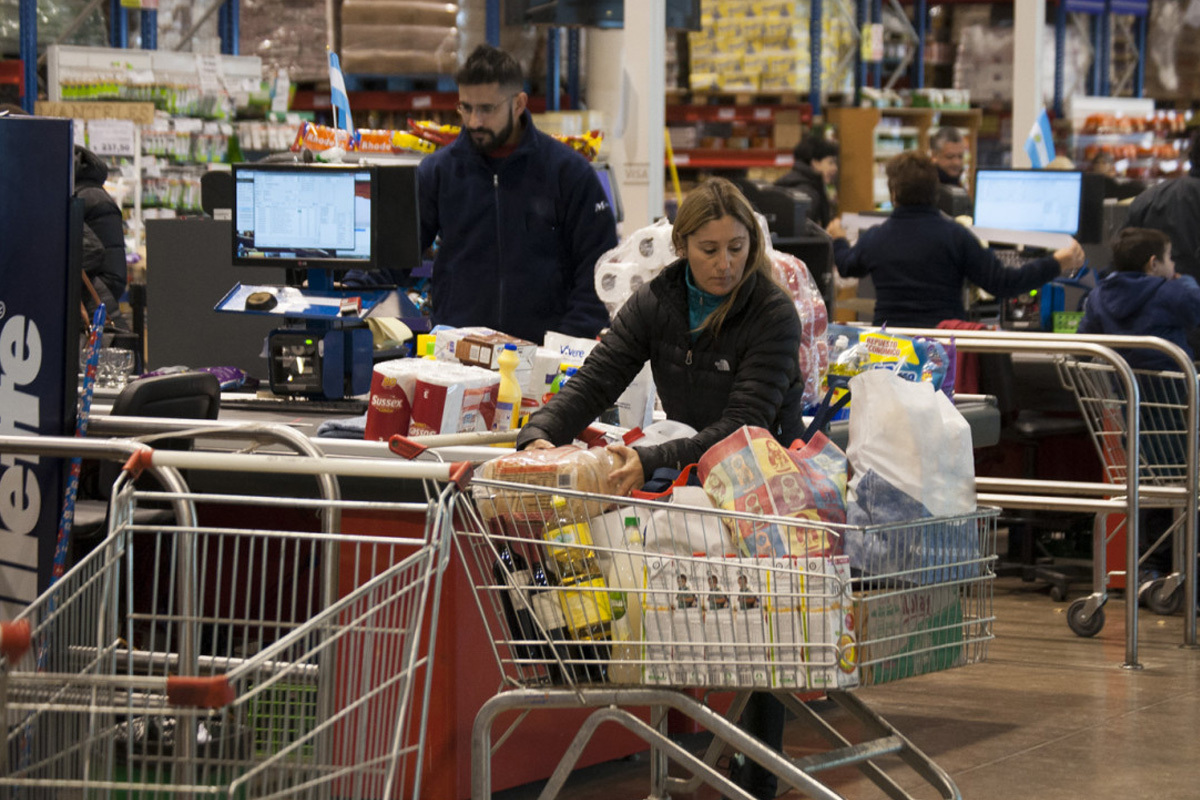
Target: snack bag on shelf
x,y
437,134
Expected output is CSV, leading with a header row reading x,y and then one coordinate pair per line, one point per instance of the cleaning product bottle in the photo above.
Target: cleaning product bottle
x,y
508,398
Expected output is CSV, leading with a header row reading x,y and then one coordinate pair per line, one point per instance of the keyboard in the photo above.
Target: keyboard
x,y
1017,258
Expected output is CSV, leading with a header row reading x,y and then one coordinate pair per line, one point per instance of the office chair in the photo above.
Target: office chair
x,y
187,395
1027,429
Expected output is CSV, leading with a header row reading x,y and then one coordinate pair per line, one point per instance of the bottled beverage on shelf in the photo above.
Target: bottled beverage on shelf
x,y
568,540
512,570
547,610
624,581
508,397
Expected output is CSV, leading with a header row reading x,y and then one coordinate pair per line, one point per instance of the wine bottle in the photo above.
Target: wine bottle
x,y
512,570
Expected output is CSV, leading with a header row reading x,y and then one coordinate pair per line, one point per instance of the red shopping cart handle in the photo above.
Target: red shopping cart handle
x,y
405,447
211,692
14,639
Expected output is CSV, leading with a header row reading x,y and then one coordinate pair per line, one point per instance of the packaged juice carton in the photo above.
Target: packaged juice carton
x,y
785,606
657,605
720,650
833,656
688,621
750,623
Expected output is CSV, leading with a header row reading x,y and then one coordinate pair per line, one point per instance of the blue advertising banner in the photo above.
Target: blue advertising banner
x,y
39,342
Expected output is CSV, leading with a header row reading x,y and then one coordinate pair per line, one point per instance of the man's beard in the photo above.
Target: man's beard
x,y
494,139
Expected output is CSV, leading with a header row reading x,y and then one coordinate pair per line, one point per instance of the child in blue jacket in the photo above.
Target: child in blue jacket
x,y
1144,296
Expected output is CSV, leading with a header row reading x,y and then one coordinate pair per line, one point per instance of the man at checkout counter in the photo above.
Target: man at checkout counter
x,y
948,150
521,219
723,341
918,258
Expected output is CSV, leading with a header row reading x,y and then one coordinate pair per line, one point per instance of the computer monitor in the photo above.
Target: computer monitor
x,y
785,208
609,182
1048,201
322,216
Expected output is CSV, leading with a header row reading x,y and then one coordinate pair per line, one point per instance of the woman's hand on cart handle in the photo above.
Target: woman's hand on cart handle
x,y
627,470
539,444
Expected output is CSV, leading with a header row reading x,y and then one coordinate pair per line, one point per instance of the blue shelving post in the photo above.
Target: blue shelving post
x,y
1139,75
877,67
573,67
1060,46
814,54
118,33
492,23
860,63
921,24
553,69
227,26
28,48
149,23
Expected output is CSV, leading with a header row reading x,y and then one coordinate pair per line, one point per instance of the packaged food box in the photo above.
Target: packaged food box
x,y
480,347
720,649
687,624
910,633
657,607
750,631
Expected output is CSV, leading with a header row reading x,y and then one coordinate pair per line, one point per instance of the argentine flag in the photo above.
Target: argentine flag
x,y
1040,144
338,97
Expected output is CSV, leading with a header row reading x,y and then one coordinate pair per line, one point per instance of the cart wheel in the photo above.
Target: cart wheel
x,y
1084,627
1161,601
1058,593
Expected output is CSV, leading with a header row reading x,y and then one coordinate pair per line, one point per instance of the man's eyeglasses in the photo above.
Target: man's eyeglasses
x,y
483,109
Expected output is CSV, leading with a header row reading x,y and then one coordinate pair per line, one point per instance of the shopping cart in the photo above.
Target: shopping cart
x,y
278,657
1166,436
588,604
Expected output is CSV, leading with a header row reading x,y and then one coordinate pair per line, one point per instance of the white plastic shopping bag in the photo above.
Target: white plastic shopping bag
x,y
910,452
913,438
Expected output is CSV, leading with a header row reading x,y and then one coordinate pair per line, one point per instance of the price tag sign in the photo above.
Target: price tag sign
x,y
111,137
208,67
422,101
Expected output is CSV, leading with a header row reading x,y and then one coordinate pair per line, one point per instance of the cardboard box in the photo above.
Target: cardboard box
x,y
830,622
480,347
786,606
910,633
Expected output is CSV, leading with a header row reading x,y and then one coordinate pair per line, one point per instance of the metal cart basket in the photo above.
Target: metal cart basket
x,y
248,657
1166,473
609,603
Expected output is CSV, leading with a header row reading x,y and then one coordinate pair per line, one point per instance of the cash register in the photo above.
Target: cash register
x,y
308,222
1028,213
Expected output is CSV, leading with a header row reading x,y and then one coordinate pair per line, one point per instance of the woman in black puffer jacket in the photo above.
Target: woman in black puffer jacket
x,y
722,339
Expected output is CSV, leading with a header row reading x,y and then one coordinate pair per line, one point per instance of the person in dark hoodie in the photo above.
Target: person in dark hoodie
x,y
815,165
1173,207
1144,296
103,256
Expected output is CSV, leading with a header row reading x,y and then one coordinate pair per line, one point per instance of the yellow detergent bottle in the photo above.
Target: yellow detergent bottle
x,y
508,398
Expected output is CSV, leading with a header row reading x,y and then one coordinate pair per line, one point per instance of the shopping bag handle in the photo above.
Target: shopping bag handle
x,y
681,480
824,415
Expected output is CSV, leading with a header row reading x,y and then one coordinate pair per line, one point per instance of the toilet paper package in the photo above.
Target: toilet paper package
x,y
633,262
452,398
389,409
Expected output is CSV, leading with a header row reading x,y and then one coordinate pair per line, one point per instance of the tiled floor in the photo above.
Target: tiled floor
x,y
1049,715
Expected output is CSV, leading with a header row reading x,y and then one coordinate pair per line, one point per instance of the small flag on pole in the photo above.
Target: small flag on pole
x,y
338,97
1040,144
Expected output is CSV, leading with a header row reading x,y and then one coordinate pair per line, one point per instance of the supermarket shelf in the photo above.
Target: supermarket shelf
x,y
383,100
763,113
732,159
